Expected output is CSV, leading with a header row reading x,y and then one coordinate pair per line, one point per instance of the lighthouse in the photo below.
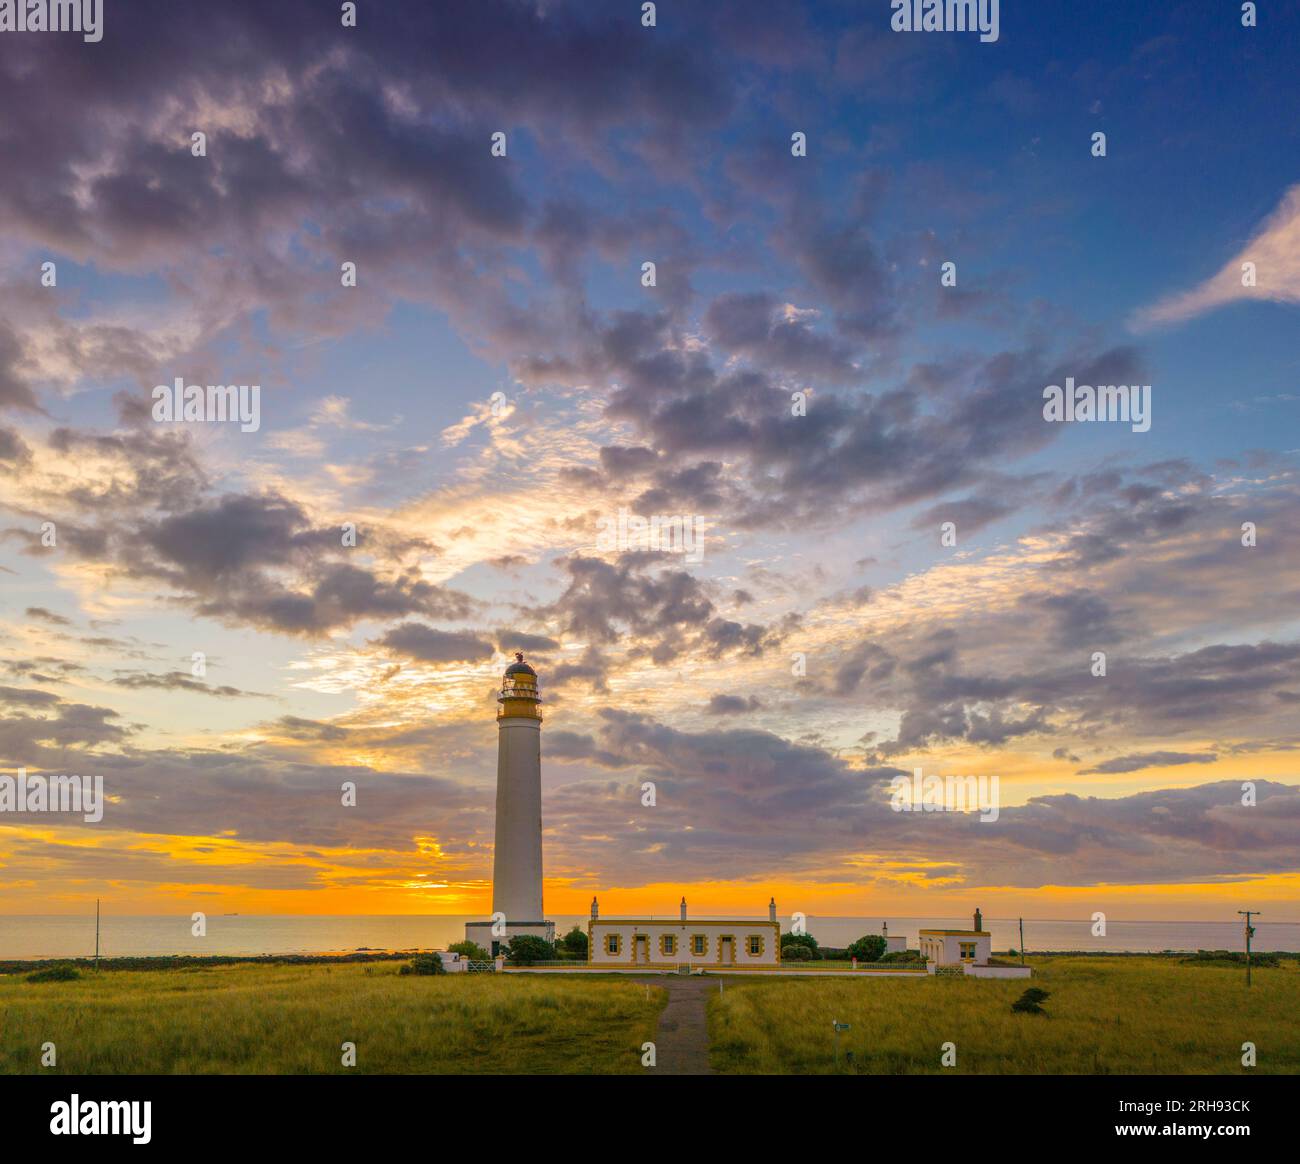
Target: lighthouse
x,y
517,844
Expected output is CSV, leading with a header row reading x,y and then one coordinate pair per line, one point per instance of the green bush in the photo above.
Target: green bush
x,y
55,974
1028,1003
575,942
527,949
1229,958
470,950
868,948
905,956
795,953
424,964
807,941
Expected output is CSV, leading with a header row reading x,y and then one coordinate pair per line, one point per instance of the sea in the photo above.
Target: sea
x,y
73,936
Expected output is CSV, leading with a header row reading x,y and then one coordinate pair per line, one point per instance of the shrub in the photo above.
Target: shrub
x,y
55,974
795,953
470,950
526,949
1229,958
424,964
868,948
575,942
905,956
807,941
1028,1003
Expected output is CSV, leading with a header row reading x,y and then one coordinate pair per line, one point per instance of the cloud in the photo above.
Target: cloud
x,y
1274,249
512,640
745,803
40,612
1140,760
60,731
417,641
179,681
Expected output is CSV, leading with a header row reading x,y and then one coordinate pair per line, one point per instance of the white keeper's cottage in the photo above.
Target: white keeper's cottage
x,y
660,944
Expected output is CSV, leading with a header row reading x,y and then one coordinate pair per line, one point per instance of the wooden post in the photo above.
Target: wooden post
x,y
838,1026
1250,930
1022,941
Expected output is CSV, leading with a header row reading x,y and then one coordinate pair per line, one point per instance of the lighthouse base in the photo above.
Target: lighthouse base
x,y
482,933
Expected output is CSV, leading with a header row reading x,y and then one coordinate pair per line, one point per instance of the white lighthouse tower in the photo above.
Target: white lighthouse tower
x,y
517,853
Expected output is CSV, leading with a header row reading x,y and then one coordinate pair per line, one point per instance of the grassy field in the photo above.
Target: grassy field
x,y
1107,1016
293,1019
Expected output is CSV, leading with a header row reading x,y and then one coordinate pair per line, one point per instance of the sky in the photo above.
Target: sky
x,y
798,381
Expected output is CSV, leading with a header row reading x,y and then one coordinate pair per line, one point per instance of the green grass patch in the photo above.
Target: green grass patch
x,y
294,1020
1104,1016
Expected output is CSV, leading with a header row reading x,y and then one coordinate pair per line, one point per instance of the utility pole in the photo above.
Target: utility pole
x,y
1022,941
97,933
1250,932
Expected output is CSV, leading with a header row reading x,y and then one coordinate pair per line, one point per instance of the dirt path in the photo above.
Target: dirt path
x,y
682,1040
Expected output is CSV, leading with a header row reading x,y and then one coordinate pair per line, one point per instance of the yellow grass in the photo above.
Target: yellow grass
x,y
1108,1016
293,1020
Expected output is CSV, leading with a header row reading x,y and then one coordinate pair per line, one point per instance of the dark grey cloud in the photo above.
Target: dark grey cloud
x,y
969,514
43,615
259,559
15,389
179,681
647,597
42,729
13,449
753,324
298,728
511,640
1136,761
428,645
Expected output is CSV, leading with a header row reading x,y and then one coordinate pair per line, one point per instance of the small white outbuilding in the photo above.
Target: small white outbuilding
x,y
958,947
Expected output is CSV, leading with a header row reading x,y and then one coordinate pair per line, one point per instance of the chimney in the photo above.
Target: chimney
x,y
595,909
884,928
683,909
979,920
771,910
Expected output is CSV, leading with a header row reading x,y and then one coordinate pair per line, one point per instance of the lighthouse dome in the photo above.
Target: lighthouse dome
x,y
519,667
